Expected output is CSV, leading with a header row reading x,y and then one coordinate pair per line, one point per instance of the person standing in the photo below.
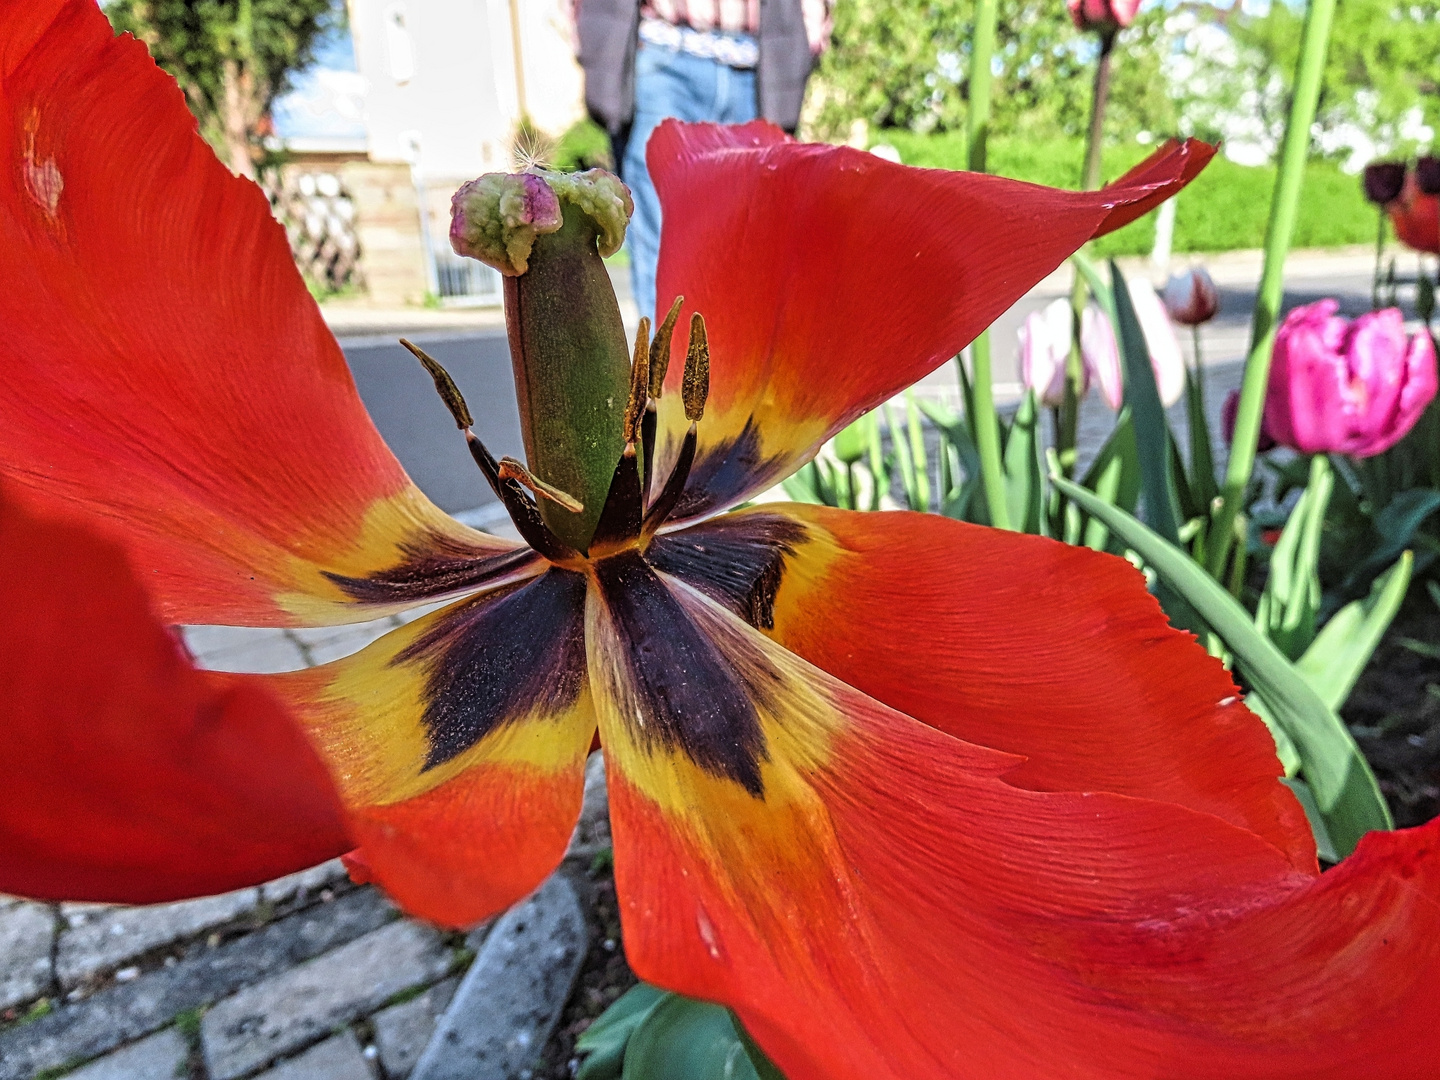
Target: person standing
x,y
727,61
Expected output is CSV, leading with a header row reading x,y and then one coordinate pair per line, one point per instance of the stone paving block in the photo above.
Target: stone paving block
x,y
592,831
26,931
402,1031
244,648
162,1056
337,1058
303,882
98,940
273,1018
326,643
128,1011
510,999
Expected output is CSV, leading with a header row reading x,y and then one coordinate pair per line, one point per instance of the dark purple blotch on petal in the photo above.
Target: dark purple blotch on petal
x,y
736,561
500,658
689,696
435,565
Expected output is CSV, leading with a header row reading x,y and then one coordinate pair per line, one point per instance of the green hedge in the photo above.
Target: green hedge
x,y
1225,208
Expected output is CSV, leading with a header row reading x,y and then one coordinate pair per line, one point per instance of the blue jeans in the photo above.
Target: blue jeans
x,y
672,83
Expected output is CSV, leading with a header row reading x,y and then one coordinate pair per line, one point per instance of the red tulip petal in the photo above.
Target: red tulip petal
x,y
128,776
881,904
830,279
1014,642
459,742
1169,169
1415,217
166,372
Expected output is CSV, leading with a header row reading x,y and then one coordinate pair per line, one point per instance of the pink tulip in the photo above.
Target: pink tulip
x,y
1191,298
1345,387
1102,355
1044,348
1103,15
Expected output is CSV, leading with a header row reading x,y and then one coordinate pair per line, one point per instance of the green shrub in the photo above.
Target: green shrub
x,y
1224,209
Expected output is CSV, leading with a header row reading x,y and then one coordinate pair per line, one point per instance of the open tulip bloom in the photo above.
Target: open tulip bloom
x,y
1347,387
917,799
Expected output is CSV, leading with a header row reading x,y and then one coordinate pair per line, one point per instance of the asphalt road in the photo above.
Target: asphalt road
x,y
407,411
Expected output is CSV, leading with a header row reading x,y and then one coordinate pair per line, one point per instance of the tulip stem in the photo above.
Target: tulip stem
x,y
985,423
1091,179
1314,40
1379,258
1068,419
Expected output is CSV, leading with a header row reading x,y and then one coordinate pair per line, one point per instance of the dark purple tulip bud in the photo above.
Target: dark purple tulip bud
x,y
1191,297
1383,181
1229,411
1427,174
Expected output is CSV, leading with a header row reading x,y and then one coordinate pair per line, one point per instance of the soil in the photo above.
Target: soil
x,y
1394,713
603,978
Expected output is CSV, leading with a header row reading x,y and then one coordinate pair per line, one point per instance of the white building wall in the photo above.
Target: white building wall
x,y
441,79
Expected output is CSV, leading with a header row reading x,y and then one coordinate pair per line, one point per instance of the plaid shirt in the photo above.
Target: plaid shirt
x,y
737,16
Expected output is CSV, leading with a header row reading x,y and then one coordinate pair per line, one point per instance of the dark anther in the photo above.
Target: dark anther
x,y
510,469
620,519
674,487
639,383
528,522
696,387
444,386
660,349
522,510
648,423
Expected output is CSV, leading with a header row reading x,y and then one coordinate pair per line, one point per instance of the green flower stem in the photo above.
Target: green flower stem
x,y
984,422
1069,415
1314,40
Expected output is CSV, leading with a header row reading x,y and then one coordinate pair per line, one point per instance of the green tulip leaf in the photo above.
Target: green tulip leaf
x,y
684,1039
1344,646
604,1041
1024,484
1346,794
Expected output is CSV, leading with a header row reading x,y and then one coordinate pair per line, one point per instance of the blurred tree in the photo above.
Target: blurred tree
x,y
1383,66
232,58
905,63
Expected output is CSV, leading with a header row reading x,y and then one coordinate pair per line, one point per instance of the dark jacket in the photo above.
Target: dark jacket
x,y
608,31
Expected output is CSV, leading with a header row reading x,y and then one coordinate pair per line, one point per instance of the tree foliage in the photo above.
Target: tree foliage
x,y
906,64
232,58
1383,64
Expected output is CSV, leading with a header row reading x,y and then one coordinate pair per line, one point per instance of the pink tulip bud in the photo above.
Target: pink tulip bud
x,y
1338,386
1166,359
1101,353
1191,298
1104,16
1044,349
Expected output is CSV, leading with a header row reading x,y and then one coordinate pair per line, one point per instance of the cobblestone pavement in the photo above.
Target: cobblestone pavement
x,y
304,978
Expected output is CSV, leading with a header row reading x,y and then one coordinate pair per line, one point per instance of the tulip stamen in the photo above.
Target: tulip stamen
x,y
696,385
505,479
444,386
510,469
639,384
660,349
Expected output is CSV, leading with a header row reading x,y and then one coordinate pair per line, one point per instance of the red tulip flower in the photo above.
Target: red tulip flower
x,y
915,798
1344,387
1104,16
1415,218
